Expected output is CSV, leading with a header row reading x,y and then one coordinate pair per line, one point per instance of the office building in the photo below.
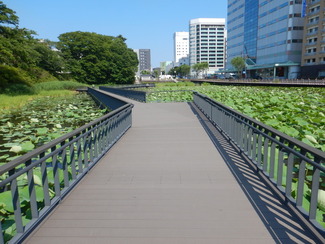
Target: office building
x,y
181,48
313,52
144,58
207,43
268,34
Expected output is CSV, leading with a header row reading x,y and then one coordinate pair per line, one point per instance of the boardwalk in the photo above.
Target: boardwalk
x,y
166,182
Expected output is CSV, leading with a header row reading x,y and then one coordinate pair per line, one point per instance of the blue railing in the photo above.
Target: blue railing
x,y
32,185
295,168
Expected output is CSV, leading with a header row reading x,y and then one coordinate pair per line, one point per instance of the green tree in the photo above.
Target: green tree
x,y
184,70
145,72
156,73
181,71
239,64
97,59
7,16
174,71
15,44
50,59
200,67
18,55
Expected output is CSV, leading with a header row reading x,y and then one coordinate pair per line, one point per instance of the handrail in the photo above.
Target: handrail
x,y
38,180
294,167
140,96
264,82
136,95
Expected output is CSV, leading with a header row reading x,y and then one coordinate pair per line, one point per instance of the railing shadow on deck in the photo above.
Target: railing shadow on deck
x,y
280,220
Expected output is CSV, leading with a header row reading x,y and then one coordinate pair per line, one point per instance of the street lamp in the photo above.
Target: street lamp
x,y
274,71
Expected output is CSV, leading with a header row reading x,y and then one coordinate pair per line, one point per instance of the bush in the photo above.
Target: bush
x,y
40,75
10,75
19,89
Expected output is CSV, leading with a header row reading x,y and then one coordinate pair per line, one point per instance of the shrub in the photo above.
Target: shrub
x,y
40,75
10,75
19,89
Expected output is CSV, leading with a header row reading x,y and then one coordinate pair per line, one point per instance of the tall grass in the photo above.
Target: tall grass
x,y
8,102
16,96
58,85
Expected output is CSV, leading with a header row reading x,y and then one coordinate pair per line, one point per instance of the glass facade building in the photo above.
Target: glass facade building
x,y
250,29
269,32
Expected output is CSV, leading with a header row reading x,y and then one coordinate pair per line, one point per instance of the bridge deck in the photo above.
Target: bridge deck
x,y
165,182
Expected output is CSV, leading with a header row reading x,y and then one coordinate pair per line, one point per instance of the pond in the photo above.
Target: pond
x,y
43,120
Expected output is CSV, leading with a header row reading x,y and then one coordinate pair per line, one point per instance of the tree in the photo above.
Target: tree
x,y
7,16
17,51
174,71
181,71
239,64
145,72
97,59
184,70
200,67
49,58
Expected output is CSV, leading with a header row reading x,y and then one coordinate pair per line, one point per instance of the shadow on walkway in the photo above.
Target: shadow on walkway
x,y
277,217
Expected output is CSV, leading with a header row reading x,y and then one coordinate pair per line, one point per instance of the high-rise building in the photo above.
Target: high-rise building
x,y
144,58
268,34
313,52
207,42
181,48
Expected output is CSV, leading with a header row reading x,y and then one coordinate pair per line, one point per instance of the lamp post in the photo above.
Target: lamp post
x,y
274,71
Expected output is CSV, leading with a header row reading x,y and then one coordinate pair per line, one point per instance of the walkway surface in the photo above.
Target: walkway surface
x,y
166,182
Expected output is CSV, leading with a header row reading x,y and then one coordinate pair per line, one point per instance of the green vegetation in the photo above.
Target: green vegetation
x,y
297,112
9,102
200,68
82,56
182,71
96,59
15,96
38,119
239,64
41,121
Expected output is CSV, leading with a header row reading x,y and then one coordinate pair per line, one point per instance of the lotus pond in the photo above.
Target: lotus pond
x,y
43,120
297,112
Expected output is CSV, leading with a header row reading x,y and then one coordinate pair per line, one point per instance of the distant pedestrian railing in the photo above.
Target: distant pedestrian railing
x,y
151,96
33,184
295,168
265,82
132,94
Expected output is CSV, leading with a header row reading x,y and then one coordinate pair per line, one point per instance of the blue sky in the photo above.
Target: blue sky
x,y
144,23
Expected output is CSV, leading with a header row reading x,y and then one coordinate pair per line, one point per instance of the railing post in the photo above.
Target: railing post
x,y
64,164
56,173
301,182
288,188
31,191
16,203
314,192
45,182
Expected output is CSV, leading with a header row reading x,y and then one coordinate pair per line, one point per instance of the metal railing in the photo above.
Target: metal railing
x,y
136,95
152,96
295,168
267,82
35,183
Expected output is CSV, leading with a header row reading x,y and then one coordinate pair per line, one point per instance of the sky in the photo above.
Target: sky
x,y
146,24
